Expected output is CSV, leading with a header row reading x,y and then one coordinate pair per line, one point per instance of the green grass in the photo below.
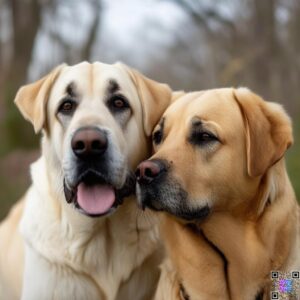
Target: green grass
x,y
293,160
10,192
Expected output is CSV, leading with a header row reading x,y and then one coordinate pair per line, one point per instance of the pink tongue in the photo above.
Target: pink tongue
x,y
96,199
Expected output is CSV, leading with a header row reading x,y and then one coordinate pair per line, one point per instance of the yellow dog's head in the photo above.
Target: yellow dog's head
x,y
212,151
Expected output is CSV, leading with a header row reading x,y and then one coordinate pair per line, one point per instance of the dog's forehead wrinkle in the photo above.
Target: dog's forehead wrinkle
x,y
162,121
161,124
71,89
113,86
206,112
197,123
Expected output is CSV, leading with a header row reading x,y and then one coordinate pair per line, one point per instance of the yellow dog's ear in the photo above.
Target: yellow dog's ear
x,y
31,99
177,94
268,131
155,98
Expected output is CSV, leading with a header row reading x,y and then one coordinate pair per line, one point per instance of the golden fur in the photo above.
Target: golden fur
x,y
253,224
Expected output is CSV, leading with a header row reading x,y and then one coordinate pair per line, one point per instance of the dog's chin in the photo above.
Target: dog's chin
x,y
182,213
194,215
172,200
95,196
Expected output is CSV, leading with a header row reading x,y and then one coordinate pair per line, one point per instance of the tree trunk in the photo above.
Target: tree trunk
x,y
265,44
26,21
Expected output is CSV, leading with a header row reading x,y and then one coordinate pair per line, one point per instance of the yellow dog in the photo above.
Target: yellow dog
x,y
230,213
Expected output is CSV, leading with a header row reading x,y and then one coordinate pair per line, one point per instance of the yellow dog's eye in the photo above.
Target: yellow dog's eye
x,y
202,138
157,137
205,136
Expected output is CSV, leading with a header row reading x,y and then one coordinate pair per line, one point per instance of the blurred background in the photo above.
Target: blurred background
x,y
189,44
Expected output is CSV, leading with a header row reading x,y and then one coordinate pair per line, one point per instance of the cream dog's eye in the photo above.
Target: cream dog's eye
x,y
118,104
67,107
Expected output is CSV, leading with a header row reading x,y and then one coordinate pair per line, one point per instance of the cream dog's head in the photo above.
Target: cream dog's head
x,y
97,120
212,149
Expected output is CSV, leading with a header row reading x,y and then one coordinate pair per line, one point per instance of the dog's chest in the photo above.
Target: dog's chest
x,y
106,258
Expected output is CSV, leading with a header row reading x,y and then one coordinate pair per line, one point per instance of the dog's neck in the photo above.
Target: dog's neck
x,y
246,245
254,235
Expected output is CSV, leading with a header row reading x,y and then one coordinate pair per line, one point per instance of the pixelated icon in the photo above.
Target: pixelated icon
x,y
285,285
274,295
274,275
296,274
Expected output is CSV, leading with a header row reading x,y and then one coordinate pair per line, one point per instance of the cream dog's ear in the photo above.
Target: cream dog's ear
x,y
268,131
155,97
32,99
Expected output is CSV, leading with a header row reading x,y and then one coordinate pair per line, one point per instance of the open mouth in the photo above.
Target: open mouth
x,y
95,196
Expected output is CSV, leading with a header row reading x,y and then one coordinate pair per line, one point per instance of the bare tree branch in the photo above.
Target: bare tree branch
x,y
86,51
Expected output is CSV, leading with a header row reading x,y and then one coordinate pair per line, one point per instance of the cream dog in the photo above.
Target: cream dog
x,y
79,241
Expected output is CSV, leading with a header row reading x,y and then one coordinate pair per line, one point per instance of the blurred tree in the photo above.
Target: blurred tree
x,y
255,44
25,22
252,43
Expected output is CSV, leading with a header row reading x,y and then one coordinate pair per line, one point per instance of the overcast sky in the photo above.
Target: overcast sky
x,y
129,30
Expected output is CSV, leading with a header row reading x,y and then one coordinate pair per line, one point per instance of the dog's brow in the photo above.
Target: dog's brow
x,y
113,87
162,123
197,123
71,89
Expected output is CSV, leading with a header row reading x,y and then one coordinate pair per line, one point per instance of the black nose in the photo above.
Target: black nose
x,y
148,170
89,142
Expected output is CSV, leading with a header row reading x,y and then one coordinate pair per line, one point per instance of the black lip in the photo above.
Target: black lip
x,y
92,177
195,215
189,215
